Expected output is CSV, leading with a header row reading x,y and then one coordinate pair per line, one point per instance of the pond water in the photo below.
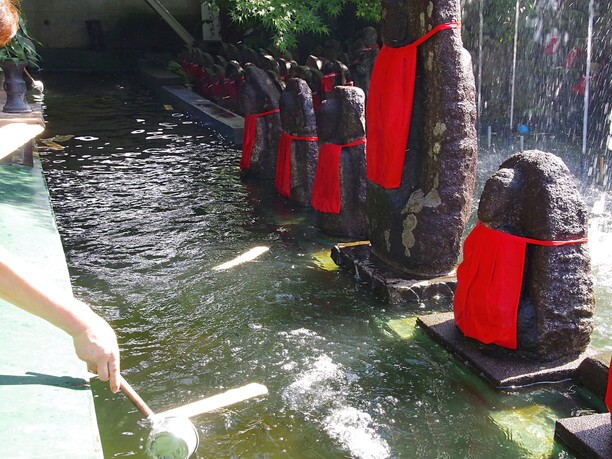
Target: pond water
x,y
148,202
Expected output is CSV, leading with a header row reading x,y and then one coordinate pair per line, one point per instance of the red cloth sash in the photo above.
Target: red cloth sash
x,y
389,109
327,82
489,282
248,136
609,391
194,70
282,179
326,186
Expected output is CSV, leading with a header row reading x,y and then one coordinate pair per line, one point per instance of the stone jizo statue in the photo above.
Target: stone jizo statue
x,y
339,190
524,287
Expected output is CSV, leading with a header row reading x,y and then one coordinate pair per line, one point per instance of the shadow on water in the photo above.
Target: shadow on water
x,y
148,203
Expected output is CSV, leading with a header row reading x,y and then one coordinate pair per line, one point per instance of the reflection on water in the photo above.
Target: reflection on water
x,y
149,203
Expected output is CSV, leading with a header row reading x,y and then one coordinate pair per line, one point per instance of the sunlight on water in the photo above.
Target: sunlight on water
x,y
600,228
600,244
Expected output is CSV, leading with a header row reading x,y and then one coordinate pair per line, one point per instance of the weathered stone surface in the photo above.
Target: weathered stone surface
x,y
417,228
298,119
234,71
259,94
593,374
586,436
340,120
337,67
534,195
311,75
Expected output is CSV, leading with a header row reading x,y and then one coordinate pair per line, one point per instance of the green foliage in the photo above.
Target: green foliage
x,y
21,47
285,20
175,67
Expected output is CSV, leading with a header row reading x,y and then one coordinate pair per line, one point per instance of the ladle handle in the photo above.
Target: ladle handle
x,y
138,402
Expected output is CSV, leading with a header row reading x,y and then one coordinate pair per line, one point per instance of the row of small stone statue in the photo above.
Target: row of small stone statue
x,y
218,75
314,157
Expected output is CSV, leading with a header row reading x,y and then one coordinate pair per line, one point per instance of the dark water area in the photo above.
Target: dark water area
x,y
149,202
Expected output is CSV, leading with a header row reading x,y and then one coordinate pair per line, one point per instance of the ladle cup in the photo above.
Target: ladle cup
x,y
172,435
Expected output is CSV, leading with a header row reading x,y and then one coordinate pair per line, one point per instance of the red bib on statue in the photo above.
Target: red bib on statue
x,y
609,391
489,283
282,178
389,109
326,188
248,136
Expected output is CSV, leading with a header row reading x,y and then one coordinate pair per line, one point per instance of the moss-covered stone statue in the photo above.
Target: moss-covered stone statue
x,y
422,143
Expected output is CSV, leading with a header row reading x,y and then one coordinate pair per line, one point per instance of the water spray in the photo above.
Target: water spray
x,y
513,82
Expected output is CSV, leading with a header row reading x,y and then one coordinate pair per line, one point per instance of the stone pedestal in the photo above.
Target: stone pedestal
x,y
499,371
393,285
586,436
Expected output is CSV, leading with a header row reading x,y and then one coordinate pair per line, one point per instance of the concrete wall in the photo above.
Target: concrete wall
x,y
125,24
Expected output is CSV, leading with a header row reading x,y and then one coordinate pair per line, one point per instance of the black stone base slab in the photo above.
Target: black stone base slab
x,y
393,285
593,374
497,372
586,436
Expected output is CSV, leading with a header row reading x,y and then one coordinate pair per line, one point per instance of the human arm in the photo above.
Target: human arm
x,y
94,340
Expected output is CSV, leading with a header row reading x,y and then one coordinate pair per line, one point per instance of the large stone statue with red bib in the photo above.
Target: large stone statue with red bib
x,y
339,189
524,287
259,102
422,144
298,145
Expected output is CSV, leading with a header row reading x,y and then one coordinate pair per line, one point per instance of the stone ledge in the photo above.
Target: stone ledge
x,y
225,122
393,285
587,436
155,77
46,406
497,372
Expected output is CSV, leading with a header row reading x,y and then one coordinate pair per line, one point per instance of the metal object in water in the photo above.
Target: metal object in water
x,y
172,438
